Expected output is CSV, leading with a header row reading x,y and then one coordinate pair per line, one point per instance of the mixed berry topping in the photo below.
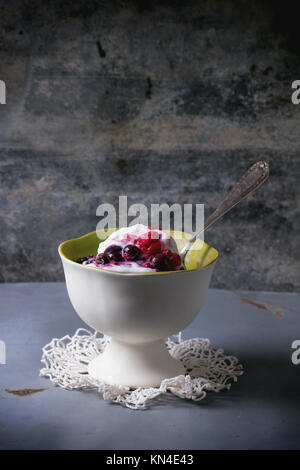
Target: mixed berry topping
x,y
114,253
102,258
149,245
160,262
165,261
84,259
131,252
174,258
147,251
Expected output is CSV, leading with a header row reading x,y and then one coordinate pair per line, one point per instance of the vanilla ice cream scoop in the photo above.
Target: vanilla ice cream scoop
x,y
137,248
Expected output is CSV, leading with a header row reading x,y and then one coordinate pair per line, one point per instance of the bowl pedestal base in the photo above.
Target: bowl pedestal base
x,y
135,365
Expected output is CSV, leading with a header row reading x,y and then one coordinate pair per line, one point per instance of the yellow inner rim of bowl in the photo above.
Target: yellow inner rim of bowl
x,y
200,256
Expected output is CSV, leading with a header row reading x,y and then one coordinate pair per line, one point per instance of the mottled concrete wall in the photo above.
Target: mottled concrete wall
x,y
163,101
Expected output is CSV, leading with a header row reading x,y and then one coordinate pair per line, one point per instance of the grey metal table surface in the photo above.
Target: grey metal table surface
x,y
261,411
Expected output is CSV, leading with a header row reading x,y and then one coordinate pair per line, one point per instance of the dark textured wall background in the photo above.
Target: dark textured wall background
x,y
163,101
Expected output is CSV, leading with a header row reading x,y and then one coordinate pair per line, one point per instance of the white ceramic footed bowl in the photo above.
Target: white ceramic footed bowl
x,y
136,310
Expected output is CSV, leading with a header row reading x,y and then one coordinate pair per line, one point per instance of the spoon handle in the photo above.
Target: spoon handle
x,y
252,179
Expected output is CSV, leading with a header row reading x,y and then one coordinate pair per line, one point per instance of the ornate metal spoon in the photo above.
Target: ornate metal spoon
x,y
256,175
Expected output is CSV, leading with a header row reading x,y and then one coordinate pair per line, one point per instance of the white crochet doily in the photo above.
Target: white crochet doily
x,y
207,369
